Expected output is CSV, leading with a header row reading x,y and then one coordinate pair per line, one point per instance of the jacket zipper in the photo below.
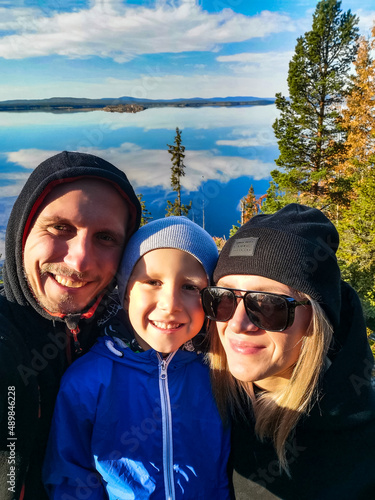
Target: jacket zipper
x,y
167,426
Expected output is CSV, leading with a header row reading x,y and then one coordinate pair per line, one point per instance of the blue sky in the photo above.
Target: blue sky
x,y
154,48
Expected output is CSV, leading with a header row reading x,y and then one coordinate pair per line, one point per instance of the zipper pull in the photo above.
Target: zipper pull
x,y
163,369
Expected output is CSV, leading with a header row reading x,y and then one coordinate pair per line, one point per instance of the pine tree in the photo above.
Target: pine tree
x,y
146,215
357,248
233,230
277,198
309,137
176,209
177,171
359,114
250,205
357,223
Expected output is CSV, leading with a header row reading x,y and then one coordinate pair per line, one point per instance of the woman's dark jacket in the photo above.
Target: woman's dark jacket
x,y
331,454
35,348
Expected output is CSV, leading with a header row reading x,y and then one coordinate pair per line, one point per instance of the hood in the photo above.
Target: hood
x,y
148,361
348,398
63,167
119,327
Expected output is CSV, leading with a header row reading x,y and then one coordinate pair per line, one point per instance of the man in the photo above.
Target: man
x,y
64,240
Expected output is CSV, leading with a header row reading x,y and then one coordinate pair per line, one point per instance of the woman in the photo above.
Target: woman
x,y
291,361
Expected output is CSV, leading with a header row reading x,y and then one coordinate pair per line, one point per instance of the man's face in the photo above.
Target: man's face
x,y
75,243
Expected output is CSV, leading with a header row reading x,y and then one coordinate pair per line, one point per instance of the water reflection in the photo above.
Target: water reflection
x,y
227,149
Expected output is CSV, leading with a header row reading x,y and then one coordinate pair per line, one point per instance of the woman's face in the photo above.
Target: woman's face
x,y
256,355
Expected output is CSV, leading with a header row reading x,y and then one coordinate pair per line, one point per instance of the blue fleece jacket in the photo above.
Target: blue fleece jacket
x,y
132,425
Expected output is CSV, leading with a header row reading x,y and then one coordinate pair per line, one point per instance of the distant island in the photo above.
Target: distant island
x,y
123,104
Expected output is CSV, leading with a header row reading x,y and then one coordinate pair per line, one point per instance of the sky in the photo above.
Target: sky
x,y
154,49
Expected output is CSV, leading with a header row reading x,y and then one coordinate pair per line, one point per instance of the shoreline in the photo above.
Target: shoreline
x,y
122,105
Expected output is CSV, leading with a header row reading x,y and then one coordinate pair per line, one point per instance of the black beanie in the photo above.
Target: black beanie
x,y
295,246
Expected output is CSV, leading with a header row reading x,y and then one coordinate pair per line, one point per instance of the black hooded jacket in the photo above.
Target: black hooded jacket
x,y
36,348
331,454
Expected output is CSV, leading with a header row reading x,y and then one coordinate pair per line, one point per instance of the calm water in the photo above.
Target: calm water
x,y
227,150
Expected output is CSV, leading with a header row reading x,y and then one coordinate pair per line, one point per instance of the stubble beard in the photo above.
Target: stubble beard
x,y
65,304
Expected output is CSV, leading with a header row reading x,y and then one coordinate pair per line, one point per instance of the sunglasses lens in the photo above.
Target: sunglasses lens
x,y
267,311
218,303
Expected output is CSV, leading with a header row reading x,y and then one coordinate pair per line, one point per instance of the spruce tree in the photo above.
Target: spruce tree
x,y
359,113
250,205
308,131
357,223
146,215
357,248
177,171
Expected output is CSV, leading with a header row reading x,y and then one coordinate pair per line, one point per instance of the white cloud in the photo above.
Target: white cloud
x,y
270,69
121,32
28,158
13,189
151,168
261,137
366,20
16,19
260,82
258,59
6,205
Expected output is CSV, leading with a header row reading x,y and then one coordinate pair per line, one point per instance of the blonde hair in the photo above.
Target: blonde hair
x,y
276,413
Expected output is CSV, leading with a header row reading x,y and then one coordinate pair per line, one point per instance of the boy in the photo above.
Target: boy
x,y
135,417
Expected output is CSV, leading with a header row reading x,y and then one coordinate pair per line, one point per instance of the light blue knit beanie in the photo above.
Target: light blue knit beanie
x,y
169,232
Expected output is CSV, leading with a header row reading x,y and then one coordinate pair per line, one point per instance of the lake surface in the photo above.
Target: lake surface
x,y
227,150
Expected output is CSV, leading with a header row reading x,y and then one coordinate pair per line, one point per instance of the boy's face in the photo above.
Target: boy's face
x,y
163,299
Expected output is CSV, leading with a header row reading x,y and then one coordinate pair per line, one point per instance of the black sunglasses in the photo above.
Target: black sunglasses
x,y
267,311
